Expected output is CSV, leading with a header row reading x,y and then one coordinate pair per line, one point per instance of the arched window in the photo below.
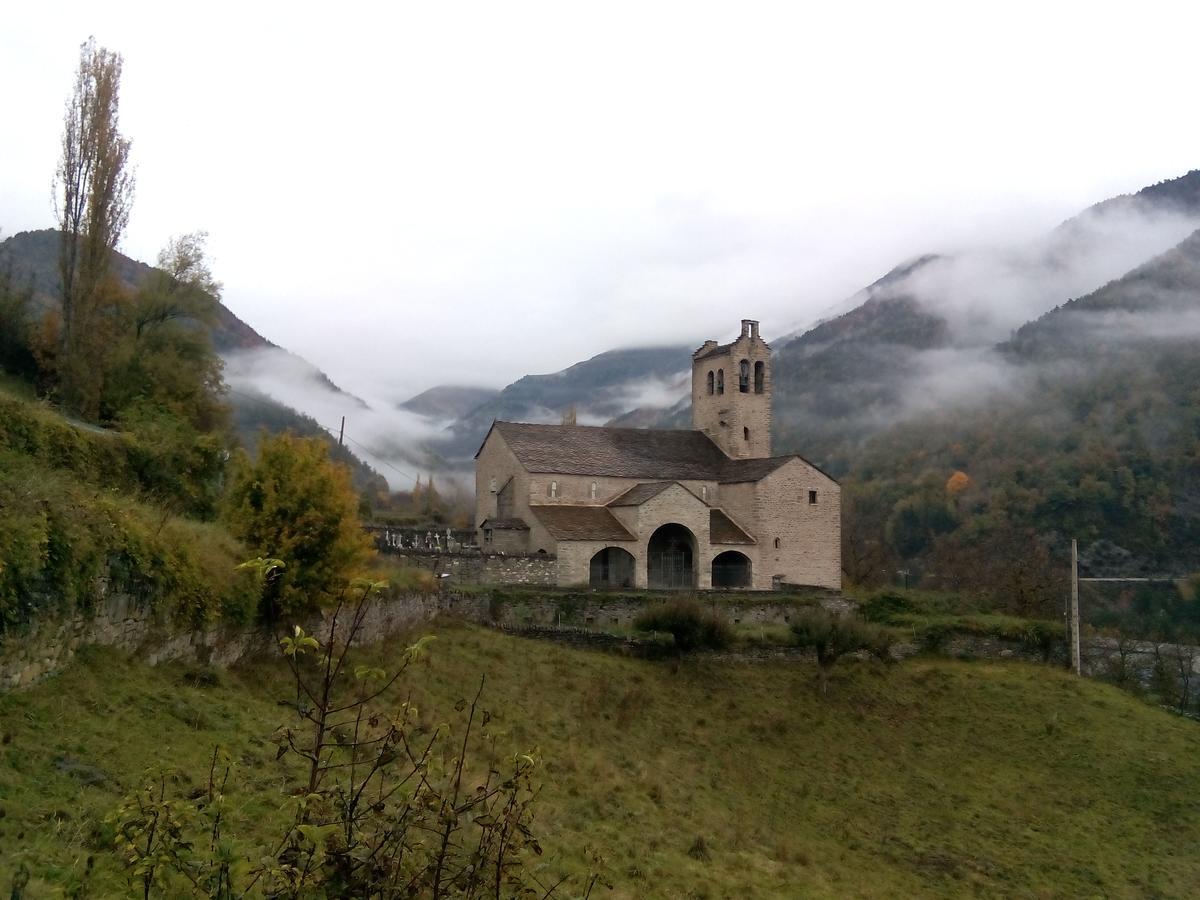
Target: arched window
x,y
776,543
704,492
710,382
720,381
593,491
760,375
745,434
554,489
744,376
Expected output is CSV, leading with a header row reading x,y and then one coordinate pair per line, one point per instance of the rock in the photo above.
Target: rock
x,y
81,772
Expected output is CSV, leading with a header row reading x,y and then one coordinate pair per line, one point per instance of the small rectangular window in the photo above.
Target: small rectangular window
x,y
812,496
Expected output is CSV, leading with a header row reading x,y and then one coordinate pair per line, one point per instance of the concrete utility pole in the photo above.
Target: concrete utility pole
x,y
342,431
1075,662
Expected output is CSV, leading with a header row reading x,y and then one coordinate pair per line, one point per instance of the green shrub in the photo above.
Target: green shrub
x,y
690,625
933,631
832,637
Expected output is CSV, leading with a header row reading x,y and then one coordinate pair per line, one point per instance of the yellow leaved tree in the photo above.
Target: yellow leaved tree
x,y
296,505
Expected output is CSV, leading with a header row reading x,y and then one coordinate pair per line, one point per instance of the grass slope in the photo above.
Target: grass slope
x,y
932,778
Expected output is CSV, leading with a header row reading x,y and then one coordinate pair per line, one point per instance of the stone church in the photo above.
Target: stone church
x,y
708,507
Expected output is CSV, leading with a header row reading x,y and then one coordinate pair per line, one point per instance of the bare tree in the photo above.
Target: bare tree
x,y
93,192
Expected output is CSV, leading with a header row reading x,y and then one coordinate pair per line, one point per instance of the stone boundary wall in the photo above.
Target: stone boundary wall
x,y
476,567
578,619
28,655
600,610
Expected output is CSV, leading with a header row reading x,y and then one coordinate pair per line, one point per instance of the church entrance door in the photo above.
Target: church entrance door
x,y
671,558
612,567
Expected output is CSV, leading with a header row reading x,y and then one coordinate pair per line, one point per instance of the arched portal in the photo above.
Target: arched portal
x,y
731,570
612,567
671,558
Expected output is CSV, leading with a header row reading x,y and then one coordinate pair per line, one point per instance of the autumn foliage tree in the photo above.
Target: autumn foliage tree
x,y
294,504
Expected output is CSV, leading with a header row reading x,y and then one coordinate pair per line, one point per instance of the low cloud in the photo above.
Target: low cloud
x,y
951,379
391,440
984,294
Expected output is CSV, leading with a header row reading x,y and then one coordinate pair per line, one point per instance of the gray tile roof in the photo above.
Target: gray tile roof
x,y
581,523
659,455
513,524
719,350
640,493
723,530
669,455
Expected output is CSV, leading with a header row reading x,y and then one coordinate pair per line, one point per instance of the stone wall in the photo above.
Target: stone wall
x,y
30,654
579,618
599,610
477,567
27,655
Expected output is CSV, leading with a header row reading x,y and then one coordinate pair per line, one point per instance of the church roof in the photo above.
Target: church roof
x,y
719,350
640,493
661,455
670,455
738,470
723,530
513,524
581,523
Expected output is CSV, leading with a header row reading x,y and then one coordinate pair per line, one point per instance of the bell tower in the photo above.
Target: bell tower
x,y
731,393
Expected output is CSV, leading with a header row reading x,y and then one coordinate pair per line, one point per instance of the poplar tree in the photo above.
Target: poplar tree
x,y
93,196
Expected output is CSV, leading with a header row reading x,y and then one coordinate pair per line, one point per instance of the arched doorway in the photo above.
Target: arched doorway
x,y
671,558
612,567
731,570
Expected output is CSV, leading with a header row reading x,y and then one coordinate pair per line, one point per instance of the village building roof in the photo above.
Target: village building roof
x,y
581,523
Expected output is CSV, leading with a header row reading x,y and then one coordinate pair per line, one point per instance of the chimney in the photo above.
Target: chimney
x,y
708,345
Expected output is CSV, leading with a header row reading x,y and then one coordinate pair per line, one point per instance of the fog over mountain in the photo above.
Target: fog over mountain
x,y
918,340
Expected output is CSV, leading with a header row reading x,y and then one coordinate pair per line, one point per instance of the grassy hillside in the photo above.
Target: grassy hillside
x,y
932,778
78,503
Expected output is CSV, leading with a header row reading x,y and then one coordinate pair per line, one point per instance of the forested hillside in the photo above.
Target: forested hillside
x,y
29,283
601,388
1093,433
921,336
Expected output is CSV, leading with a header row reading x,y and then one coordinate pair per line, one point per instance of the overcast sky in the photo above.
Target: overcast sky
x,y
455,192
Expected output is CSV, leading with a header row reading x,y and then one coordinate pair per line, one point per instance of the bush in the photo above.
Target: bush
x,y
933,631
832,637
690,625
